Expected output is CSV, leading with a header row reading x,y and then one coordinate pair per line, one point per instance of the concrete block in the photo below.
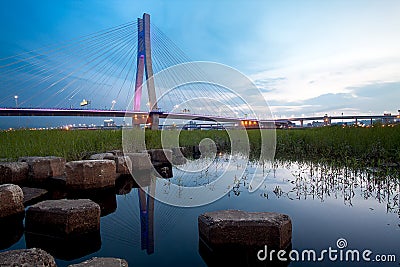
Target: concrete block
x,y
102,156
41,168
13,172
90,174
102,262
124,164
32,195
247,229
11,200
117,153
27,257
140,161
63,217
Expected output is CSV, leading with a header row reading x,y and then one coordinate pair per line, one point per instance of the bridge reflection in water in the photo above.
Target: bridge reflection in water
x,y
146,203
309,193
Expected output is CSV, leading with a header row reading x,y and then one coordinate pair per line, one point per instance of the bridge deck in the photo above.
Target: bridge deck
x,y
186,116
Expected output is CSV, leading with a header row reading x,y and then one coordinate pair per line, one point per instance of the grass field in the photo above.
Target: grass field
x,y
350,146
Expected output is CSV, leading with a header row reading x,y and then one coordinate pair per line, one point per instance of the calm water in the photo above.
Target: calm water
x,y
324,205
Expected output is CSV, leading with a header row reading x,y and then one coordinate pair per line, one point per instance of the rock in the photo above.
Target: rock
x,y
11,200
247,229
32,195
117,153
27,257
41,168
102,156
90,174
238,256
124,185
124,164
160,155
102,262
177,156
178,160
64,217
140,161
58,182
105,198
13,172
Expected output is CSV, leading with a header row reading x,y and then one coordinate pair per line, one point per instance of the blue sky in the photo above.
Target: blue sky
x,y
308,57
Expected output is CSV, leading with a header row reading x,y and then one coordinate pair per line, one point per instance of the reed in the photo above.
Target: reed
x,y
352,146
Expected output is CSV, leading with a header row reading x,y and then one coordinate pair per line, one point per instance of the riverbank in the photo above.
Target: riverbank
x,y
357,147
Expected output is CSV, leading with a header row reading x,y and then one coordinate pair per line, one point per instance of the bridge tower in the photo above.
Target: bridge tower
x,y
144,65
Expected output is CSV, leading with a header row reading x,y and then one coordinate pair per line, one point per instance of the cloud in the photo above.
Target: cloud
x,y
375,98
315,78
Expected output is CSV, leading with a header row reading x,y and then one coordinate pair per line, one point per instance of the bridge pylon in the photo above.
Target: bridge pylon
x,y
145,66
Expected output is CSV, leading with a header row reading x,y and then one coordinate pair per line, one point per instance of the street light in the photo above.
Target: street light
x,y
113,104
16,101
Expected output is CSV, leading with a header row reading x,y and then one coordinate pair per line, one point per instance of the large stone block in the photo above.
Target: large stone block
x,y
102,262
177,156
11,200
124,164
13,172
65,217
90,174
248,229
116,152
33,195
41,168
140,161
160,155
27,257
102,156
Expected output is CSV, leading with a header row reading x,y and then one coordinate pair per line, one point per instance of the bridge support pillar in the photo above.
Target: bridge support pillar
x,y
144,65
301,123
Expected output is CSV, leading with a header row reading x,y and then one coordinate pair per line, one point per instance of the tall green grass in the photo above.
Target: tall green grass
x,y
351,146
72,145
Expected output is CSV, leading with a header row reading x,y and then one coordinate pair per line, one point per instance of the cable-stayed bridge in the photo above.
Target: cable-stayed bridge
x,y
113,73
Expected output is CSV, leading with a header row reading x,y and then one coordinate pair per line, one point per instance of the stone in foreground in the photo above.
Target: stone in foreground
x,y
124,164
116,152
90,174
41,168
13,172
33,194
101,156
64,217
27,257
102,262
140,161
11,200
248,229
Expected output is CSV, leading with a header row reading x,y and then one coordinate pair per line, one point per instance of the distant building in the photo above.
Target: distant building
x,y
317,124
109,123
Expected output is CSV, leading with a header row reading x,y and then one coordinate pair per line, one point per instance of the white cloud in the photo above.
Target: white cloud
x,y
335,74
